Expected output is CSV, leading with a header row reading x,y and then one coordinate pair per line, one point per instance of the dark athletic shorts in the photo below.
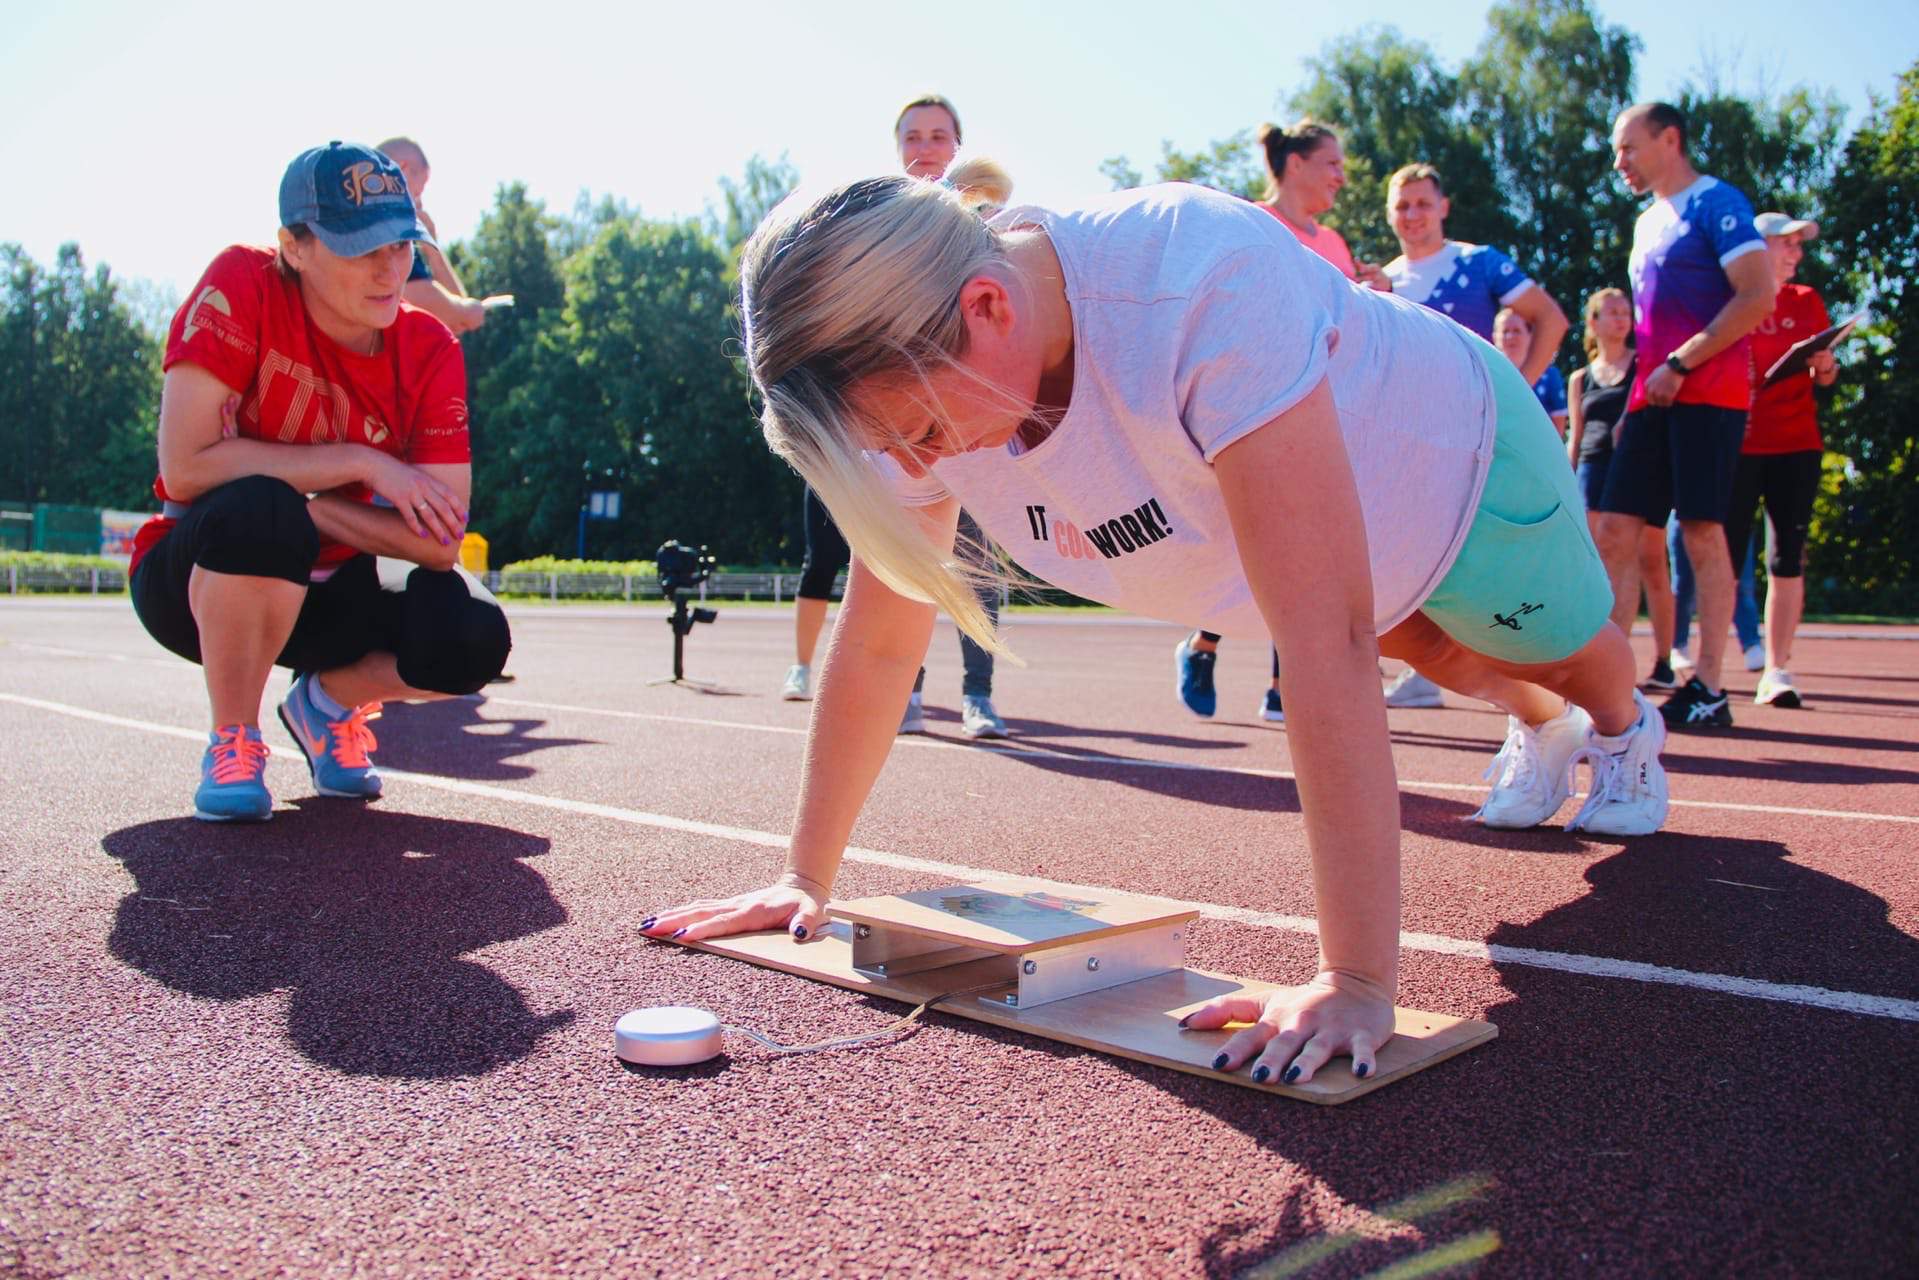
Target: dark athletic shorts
x,y
445,629
1677,458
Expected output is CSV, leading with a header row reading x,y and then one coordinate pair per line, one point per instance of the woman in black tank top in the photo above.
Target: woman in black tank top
x,y
1597,396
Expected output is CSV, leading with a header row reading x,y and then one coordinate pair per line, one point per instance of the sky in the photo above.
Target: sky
x,y
155,135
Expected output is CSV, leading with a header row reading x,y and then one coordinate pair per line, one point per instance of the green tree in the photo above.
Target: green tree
x,y
1780,150
79,386
1393,104
631,388
1541,94
1229,164
1865,550
747,202
512,251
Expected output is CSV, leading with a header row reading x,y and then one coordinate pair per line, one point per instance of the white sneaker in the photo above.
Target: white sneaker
x,y
978,719
914,721
1410,689
1679,660
799,683
1755,656
1776,689
1628,794
1532,774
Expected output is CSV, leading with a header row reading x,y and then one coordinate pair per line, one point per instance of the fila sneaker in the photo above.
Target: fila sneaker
x,y
1532,773
1628,795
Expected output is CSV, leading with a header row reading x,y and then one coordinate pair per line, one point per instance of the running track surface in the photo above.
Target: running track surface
x,y
376,1041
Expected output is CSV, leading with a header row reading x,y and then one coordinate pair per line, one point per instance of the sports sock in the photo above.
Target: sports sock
x,y
325,705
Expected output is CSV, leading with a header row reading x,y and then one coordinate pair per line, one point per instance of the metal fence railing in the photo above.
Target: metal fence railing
x,y
776,587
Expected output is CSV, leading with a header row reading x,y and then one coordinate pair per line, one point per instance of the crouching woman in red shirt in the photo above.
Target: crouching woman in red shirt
x,y
314,471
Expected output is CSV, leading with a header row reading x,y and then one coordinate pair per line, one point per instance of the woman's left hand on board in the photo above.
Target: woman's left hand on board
x,y
1296,1030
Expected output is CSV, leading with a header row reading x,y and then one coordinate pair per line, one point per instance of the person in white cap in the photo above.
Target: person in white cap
x,y
1779,462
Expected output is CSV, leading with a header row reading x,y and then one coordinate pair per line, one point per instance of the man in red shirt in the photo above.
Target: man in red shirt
x,y
314,471
1780,459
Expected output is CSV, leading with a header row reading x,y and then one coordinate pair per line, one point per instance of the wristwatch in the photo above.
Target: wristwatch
x,y
1672,362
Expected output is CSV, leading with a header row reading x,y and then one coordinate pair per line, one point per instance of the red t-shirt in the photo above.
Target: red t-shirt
x,y
246,324
1784,418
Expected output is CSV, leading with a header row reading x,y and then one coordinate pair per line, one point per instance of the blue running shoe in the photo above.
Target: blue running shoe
x,y
336,750
232,777
1271,709
1194,667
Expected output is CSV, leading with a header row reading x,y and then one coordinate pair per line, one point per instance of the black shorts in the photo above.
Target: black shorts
x,y
1788,482
826,551
1677,458
445,630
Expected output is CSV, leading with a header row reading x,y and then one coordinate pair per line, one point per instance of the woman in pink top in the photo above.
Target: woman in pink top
x,y
1305,168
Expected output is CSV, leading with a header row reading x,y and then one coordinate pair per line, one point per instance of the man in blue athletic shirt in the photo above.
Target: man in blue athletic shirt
x,y
1470,283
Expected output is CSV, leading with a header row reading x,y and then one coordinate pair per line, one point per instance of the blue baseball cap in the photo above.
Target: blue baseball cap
x,y
353,197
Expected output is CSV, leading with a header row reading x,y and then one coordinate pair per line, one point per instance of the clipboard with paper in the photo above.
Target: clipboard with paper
x,y
1800,354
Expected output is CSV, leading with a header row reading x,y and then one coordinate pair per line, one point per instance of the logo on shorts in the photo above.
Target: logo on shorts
x,y
1512,619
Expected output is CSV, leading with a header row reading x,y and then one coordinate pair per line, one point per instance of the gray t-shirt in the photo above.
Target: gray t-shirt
x,y
1198,318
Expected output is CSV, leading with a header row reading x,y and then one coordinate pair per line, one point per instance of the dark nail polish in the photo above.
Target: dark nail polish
x,y
1186,1021
648,923
678,932
1260,1073
799,933
1292,1074
1362,1071
1219,1063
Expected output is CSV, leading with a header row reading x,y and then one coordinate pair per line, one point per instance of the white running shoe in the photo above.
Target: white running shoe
x,y
1755,656
799,683
1628,795
1776,689
1410,689
1532,774
978,719
914,721
1679,660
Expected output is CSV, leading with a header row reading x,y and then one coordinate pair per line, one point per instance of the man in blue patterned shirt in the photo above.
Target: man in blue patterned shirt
x,y
1468,282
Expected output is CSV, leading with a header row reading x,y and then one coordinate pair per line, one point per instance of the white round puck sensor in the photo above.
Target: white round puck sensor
x,y
669,1036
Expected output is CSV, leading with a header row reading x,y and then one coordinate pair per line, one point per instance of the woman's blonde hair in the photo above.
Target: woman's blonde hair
x,y
861,283
1594,301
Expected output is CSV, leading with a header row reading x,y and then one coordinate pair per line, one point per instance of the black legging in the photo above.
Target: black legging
x,y
827,554
1788,482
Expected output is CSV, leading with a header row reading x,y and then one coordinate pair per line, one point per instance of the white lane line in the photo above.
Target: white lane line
x,y
914,742
1465,948
1179,766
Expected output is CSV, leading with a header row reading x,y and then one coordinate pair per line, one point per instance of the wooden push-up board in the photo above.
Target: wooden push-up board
x,y
1091,968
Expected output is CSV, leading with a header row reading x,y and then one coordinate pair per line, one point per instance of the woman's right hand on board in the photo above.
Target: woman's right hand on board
x,y
792,903
1296,1030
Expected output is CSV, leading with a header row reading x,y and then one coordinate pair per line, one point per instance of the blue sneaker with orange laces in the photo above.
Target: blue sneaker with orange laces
x,y
232,777
336,749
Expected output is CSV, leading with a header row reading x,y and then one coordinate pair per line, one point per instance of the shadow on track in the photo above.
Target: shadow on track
x,y
363,913
1616,1125
453,739
1046,732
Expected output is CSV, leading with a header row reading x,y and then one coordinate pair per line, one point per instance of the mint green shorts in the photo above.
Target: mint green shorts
x,y
1528,586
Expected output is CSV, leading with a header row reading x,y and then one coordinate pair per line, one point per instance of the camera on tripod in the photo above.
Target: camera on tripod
x,y
681,568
